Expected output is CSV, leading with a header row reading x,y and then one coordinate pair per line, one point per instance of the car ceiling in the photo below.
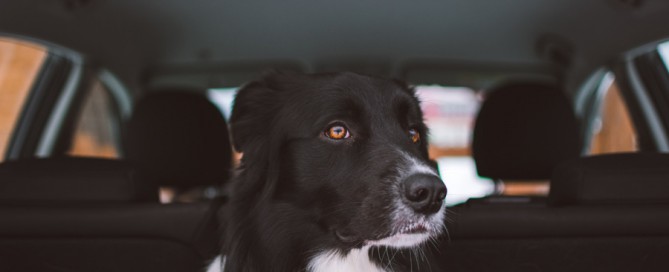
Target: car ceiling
x,y
133,37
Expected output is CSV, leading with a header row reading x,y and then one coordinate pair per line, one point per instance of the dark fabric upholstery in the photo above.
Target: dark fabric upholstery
x,y
537,237
75,180
636,253
632,178
76,214
537,220
97,254
130,237
179,138
523,130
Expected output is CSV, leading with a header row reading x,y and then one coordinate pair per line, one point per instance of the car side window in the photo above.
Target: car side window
x,y
20,63
96,131
613,130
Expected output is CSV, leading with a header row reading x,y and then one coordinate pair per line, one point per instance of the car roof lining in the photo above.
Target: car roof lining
x,y
133,38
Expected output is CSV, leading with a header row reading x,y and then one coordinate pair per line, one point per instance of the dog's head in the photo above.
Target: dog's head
x,y
350,151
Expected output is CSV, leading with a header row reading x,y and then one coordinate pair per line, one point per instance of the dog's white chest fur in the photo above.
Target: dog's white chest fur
x,y
355,260
216,265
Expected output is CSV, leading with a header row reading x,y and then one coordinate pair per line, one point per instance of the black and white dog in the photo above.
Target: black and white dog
x,y
334,174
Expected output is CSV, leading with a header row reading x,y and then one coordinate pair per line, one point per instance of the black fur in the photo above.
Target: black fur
x,y
298,192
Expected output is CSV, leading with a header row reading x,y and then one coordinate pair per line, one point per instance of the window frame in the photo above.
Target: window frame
x,y
643,80
35,114
120,106
651,132
122,103
589,102
655,77
47,119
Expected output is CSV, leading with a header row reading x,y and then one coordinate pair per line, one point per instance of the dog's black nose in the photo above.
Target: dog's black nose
x,y
424,193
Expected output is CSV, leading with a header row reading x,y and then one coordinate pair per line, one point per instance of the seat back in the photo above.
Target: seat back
x,y
73,180
178,138
588,222
624,178
523,130
71,214
605,213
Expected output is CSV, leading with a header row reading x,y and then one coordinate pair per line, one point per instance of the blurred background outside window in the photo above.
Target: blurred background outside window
x,y
20,63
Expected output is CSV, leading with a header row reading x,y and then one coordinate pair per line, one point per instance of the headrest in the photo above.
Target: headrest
x,y
614,178
179,138
523,130
72,180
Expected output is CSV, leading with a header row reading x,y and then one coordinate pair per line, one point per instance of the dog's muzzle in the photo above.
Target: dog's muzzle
x,y
424,193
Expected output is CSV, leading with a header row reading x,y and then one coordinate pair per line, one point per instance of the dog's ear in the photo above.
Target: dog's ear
x,y
252,126
252,113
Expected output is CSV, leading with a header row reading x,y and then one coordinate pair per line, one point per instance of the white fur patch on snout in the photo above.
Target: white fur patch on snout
x,y
413,167
403,213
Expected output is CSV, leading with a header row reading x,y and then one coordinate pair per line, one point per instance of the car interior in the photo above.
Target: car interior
x,y
549,123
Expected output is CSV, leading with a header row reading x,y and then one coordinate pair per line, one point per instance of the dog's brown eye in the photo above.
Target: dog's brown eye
x,y
337,132
414,135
